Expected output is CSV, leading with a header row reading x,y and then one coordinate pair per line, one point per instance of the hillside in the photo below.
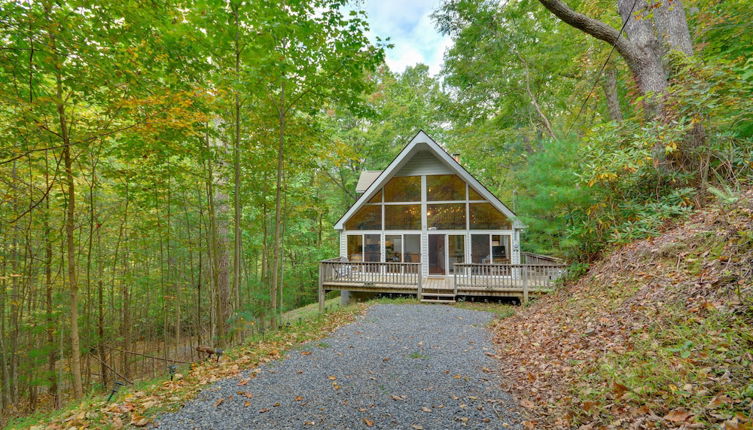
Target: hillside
x,y
658,334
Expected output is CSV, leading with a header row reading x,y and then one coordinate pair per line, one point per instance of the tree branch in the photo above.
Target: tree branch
x,y
596,29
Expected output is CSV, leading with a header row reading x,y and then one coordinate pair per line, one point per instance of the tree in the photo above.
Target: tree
x,y
652,29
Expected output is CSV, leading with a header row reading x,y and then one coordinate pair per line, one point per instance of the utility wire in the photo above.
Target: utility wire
x,y
603,66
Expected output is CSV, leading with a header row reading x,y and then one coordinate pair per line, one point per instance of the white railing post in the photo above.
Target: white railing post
x,y
525,284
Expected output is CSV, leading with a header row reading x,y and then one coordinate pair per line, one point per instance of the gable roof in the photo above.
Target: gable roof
x,y
367,178
422,141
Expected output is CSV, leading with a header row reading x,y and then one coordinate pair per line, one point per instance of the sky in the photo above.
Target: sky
x,y
409,26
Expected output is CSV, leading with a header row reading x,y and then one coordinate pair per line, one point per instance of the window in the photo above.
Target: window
x,y
484,216
487,249
364,248
480,248
355,247
455,250
393,248
367,218
444,187
501,249
412,248
402,217
377,197
447,216
372,247
403,189
402,248
474,195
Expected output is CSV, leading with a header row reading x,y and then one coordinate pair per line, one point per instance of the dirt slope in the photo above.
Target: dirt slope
x,y
659,334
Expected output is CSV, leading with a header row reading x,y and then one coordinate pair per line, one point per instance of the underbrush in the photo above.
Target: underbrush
x,y
658,334
138,404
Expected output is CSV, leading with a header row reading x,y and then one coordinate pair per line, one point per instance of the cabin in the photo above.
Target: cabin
x,y
425,226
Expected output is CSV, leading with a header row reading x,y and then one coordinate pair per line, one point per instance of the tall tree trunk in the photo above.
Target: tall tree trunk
x,y
237,162
52,355
278,206
218,210
609,85
70,227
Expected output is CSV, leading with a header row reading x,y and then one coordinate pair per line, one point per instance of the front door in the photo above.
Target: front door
x,y
437,255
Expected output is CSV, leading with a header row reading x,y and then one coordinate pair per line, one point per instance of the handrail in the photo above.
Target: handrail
x,y
371,273
498,276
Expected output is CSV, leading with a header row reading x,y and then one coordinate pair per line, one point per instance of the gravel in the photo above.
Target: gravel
x,y
398,366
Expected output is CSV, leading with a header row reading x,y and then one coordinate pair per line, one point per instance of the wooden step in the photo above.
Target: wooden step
x,y
438,301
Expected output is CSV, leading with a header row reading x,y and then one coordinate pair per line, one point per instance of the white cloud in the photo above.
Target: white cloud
x,y
410,28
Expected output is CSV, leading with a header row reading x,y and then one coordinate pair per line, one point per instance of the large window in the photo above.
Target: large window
x,y
403,189
490,248
402,217
364,247
369,217
484,216
444,187
446,216
402,248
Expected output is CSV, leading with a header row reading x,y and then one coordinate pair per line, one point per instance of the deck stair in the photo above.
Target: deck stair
x,y
437,290
437,298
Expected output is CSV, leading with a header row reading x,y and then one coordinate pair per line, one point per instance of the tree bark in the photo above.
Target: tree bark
x,y
609,85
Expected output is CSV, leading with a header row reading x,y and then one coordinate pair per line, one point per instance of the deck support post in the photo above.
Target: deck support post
x,y
321,288
525,284
419,293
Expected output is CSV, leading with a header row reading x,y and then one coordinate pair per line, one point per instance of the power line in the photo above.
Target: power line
x,y
603,66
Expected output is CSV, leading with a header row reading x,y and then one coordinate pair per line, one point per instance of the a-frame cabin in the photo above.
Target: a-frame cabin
x,y
424,225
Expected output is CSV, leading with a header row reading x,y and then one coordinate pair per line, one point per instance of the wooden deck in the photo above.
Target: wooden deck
x,y
489,280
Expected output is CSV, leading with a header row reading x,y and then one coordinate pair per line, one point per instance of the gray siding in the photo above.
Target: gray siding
x,y
424,163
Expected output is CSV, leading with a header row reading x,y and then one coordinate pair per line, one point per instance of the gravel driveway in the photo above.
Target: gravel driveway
x,y
398,366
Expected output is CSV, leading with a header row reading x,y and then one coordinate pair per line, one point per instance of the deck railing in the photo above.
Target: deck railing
x,y
399,274
528,277
470,278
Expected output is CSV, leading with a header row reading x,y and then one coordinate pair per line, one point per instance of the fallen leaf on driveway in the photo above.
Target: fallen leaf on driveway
x,y
219,401
368,422
425,409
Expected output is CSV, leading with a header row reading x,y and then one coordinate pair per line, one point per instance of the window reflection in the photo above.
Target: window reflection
x,y
355,247
474,195
447,216
444,187
484,216
402,217
367,218
455,250
403,189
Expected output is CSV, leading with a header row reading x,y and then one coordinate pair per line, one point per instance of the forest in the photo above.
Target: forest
x,y
170,171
